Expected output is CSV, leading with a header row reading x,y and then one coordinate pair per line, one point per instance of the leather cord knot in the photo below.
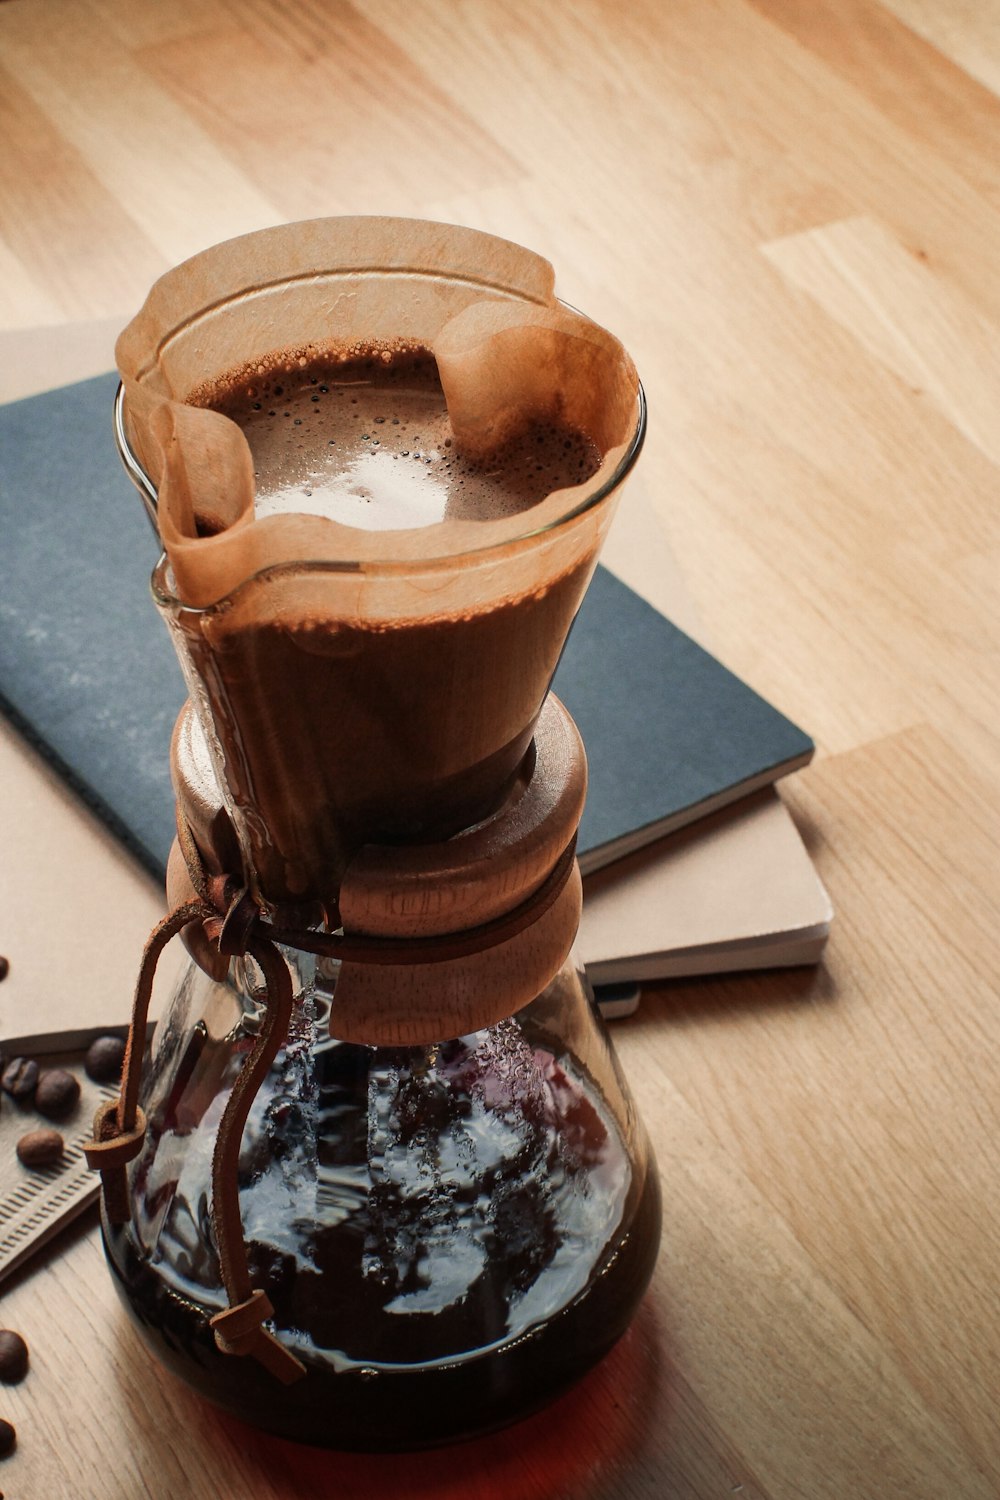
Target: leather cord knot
x,y
110,1151
238,924
239,1330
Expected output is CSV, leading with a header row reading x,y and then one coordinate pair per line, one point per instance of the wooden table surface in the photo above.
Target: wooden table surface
x,y
789,210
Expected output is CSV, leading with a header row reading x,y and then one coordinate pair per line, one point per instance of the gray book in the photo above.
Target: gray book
x,y
671,734
88,674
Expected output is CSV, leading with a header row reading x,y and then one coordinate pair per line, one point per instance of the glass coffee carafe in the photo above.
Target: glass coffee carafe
x,y
381,1091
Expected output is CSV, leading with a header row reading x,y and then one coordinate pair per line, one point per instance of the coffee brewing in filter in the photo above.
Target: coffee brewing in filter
x,y
359,685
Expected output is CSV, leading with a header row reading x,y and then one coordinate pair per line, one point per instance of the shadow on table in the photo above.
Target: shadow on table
x,y
730,996
572,1448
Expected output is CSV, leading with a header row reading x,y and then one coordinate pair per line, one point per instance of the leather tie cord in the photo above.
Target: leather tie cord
x,y
120,1128
233,921
239,1328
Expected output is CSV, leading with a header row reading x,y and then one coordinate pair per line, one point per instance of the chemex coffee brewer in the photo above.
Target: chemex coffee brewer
x,y
380,1184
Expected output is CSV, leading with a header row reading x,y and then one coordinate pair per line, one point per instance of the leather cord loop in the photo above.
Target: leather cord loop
x,y
442,948
117,1134
241,915
120,1128
226,1220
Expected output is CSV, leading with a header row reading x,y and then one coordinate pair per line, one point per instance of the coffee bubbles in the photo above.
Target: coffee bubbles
x,y
365,439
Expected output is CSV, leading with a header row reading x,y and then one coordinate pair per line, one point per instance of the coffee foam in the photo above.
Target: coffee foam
x,y
363,437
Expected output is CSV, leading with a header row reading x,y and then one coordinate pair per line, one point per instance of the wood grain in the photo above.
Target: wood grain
x,y
789,210
907,316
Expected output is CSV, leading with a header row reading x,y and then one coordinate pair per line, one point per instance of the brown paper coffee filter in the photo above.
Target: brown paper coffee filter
x,y
316,281
503,365
363,686
206,483
507,352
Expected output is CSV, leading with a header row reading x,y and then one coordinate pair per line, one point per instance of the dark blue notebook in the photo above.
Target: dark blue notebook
x,y
88,674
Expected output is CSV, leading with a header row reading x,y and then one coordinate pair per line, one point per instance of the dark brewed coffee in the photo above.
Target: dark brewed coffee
x,y
449,1236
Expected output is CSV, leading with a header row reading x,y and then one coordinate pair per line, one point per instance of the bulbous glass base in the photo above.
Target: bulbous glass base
x,y
450,1235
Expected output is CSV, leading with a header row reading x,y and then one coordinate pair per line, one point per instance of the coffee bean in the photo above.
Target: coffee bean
x,y
104,1059
40,1148
13,1357
4,967
20,1078
8,1438
56,1093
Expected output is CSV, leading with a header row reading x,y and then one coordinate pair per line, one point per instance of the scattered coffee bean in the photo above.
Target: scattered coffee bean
x,y
13,1357
40,1148
104,1059
20,1078
8,1438
56,1093
4,967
